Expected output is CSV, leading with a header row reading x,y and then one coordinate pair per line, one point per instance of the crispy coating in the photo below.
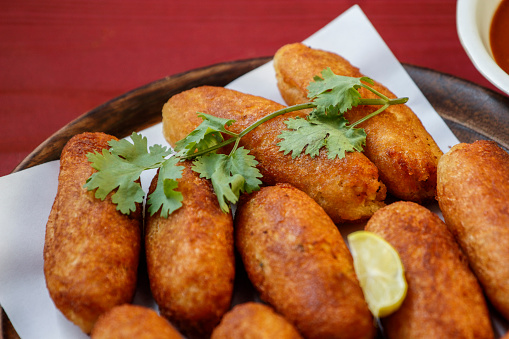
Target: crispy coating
x,y
254,321
348,189
190,258
91,250
473,194
132,321
299,263
397,142
444,299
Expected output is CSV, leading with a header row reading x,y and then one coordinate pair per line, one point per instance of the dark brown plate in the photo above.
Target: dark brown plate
x,y
472,112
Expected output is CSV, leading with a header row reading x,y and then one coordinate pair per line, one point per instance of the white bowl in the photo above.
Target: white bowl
x,y
473,20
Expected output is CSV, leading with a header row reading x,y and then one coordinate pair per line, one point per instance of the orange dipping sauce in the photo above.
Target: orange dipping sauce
x,y
499,35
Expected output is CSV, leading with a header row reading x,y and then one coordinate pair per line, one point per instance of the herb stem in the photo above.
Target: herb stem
x,y
235,135
369,116
210,149
384,100
235,146
371,89
275,114
397,101
366,101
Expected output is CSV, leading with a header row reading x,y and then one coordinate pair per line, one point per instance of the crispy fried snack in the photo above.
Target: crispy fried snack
x,y
299,263
132,321
348,189
397,142
256,321
444,299
190,258
91,250
473,194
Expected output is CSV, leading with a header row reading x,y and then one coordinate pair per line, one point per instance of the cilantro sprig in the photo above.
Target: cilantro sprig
x,y
120,168
331,95
326,125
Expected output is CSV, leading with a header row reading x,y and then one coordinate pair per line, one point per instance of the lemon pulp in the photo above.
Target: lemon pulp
x,y
380,272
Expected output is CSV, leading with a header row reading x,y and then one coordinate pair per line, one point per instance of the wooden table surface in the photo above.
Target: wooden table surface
x,y
59,59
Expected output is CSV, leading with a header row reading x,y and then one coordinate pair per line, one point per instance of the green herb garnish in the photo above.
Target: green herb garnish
x,y
231,174
120,168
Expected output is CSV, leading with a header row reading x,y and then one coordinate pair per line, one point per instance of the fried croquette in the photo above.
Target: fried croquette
x,y
254,321
397,142
299,263
444,299
473,194
190,258
91,250
132,321
348,189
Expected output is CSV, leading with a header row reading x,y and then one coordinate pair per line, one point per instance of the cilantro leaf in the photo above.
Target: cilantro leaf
x,y
120,167
137,153
113,173
164,197
213,166
230,175
335,93
243,163
206,135
330,131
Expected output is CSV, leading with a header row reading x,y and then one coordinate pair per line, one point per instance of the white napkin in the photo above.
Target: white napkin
x,y
26,197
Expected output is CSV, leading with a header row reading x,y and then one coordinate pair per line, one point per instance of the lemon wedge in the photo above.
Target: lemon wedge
x,y
380,272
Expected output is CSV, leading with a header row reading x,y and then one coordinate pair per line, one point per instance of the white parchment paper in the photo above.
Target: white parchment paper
x,y
26,197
